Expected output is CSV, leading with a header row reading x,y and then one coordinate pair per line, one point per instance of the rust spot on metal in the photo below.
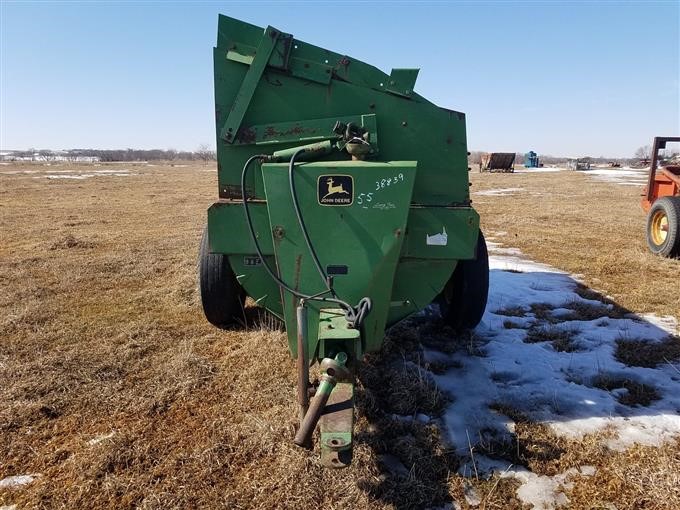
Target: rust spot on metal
x,y
279,232
296,278
233,191
246,135
270,132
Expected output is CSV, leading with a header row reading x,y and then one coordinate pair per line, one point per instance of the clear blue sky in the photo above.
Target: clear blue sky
x,y
562,78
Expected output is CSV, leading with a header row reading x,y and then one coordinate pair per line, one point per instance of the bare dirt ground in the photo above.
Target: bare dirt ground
x,y
116,393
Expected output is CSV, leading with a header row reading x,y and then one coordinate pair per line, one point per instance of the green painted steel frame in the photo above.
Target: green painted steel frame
x,y
271,88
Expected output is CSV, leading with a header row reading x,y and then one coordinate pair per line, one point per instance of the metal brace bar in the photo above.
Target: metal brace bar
x,y
252,78
311,130
336,427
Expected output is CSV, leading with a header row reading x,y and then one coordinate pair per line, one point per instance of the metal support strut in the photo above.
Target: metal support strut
x,y
302,360
332,371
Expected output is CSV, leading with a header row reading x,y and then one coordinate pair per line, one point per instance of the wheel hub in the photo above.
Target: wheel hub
x,y
659,230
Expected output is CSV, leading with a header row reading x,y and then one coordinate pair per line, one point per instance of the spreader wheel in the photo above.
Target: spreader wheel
x,y
463,300
221,295
663,227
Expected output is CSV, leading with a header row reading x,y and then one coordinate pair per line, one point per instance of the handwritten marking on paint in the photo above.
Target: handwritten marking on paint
x,y
386,183
384,206
437,239
363,199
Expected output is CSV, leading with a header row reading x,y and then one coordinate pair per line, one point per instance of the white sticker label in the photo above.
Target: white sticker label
x,y
437,239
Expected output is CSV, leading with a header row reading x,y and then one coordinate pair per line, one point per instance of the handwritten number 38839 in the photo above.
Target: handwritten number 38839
x,y
384,183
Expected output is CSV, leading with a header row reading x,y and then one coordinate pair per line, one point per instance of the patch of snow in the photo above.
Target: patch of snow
x,y
12,482
588,470
115,172
393,465
542,492
407,418
624,176
497,248
471,495
66,176
498,192
548,385
545,169
667,322
98,439
78,176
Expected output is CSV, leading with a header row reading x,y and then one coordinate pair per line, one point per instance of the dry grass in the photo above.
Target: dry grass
x,y
642,477
512,325
581,311
645,353
561,339
584,226
120,395
512,311
636,394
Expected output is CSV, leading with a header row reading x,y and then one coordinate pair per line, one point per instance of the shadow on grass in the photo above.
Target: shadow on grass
x,y
398,403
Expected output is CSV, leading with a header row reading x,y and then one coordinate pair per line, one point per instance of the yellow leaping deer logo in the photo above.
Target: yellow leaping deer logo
x,y
333,189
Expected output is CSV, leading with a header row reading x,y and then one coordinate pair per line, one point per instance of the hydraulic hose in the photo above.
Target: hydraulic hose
x,y
354,315
301,222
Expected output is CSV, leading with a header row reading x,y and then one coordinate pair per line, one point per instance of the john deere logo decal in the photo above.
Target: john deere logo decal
x,y
335,190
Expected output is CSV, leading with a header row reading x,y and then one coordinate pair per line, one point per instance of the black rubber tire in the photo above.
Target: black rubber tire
x,y
670,206
463,300
221,295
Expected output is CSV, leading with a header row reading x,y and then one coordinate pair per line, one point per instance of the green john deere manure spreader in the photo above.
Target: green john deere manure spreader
x,y
343,208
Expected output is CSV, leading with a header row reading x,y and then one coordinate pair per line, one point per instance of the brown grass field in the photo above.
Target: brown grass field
x,y
117,392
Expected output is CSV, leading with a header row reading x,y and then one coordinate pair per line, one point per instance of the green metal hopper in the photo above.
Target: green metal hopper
x,y
343,208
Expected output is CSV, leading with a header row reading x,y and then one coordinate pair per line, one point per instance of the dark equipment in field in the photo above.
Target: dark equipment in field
x,y
343,208
661,201
497,162
531,160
